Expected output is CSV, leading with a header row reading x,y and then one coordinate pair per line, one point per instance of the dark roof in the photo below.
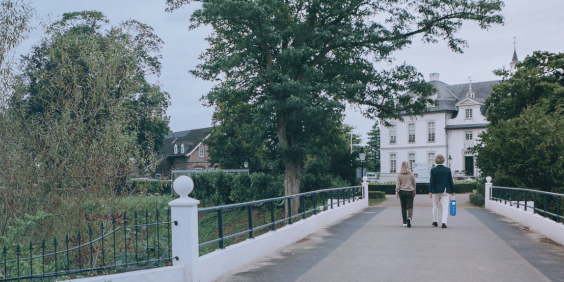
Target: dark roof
x,y
449,95
466,126
190,139
514,57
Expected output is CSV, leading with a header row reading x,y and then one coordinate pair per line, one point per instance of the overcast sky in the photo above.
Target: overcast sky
x,y
537,24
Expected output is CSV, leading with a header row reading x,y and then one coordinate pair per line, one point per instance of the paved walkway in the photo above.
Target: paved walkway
x,y
374,246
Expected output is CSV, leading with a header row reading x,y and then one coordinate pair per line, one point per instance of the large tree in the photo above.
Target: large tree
x,y
539,76
145,102
299,62
373,149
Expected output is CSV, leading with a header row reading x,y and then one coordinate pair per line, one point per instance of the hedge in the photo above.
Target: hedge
x,y
477,200
421,188
376,195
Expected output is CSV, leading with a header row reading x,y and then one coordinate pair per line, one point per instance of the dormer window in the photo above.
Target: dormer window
x,y
175,149
468,113
182,149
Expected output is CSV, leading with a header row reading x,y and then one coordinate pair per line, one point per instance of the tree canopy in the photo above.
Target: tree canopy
x,y
539,76
298,63
523,144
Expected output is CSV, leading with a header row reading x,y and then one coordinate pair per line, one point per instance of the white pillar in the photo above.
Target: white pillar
x,y
488,191
184,216
365,189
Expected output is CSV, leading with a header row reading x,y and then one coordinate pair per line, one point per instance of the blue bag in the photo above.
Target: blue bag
x,y
452,207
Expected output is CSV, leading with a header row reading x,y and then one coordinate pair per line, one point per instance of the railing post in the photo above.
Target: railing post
x,y
184,216
488,191
365,189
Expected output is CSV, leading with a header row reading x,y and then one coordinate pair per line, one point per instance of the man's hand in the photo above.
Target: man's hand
x,y
397,196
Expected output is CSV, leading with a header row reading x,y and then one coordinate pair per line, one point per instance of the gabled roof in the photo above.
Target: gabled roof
x,y
190,139
449,96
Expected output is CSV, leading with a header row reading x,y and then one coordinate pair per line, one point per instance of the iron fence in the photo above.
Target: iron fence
x,y
544,203
135,241
276,212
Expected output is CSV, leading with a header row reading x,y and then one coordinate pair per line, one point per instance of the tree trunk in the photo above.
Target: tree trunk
x,y
293,175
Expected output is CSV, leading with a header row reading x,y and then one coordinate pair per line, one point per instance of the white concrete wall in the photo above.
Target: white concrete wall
x,y
169,273
537,223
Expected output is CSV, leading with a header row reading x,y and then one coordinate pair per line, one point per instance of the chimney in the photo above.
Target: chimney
x,y
434,77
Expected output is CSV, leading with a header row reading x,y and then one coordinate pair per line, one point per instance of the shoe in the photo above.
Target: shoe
x,y
409,223
404,225
444,226
435,224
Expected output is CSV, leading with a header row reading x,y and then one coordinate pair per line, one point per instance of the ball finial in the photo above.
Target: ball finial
x,y
183,186
489,179
365,179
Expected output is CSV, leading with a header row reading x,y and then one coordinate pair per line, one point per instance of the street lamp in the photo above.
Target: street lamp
x,y
246,164
362,156
449,160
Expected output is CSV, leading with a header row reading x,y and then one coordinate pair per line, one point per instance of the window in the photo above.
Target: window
x,y
411,133
393,134
198,169
182,148
411,160
468,135
202,153
432,159
393,163
431,126
175,149
468,113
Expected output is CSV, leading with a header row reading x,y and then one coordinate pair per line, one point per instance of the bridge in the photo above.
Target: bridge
x,y
336,236
372,245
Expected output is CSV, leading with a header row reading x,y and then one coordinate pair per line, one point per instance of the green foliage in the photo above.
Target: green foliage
x,y
219,188
527,151
294,65
421,188
376,195
161,187
373,149
312,182
539,77
477,200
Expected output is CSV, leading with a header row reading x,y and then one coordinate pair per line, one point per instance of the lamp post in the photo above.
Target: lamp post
x,y
246,164
362,156
449,160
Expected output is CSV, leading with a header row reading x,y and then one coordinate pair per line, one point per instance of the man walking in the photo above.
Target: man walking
x,y
441,186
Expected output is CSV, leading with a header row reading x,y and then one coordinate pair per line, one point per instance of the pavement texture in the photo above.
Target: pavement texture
x,y
374,246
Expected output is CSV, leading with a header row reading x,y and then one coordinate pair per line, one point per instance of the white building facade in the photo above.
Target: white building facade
x,y
449,128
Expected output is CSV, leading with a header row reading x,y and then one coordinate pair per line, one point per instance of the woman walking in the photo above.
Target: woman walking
x,y
405,191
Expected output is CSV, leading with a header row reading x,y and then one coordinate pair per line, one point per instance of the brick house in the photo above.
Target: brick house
x,y
183,150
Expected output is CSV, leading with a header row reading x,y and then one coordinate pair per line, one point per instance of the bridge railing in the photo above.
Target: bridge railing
x,y
544,203
310,203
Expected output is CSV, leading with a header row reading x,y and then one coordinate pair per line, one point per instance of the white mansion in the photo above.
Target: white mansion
x,y
449,128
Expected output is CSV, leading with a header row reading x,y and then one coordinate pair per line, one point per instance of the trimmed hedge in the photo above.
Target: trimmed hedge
x,y
477,200
421,188
376,195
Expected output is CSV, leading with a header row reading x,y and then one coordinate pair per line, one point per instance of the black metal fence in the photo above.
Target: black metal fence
x,y
544,203
133,242
269,214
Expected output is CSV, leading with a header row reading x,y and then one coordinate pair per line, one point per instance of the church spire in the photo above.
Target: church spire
x,y
514,60
470,92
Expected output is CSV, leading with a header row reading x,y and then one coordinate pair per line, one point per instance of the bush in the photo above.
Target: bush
x,y
376,195
477,200
312,182
421,188
160,187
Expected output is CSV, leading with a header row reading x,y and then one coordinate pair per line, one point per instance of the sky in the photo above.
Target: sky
x,y
536,25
